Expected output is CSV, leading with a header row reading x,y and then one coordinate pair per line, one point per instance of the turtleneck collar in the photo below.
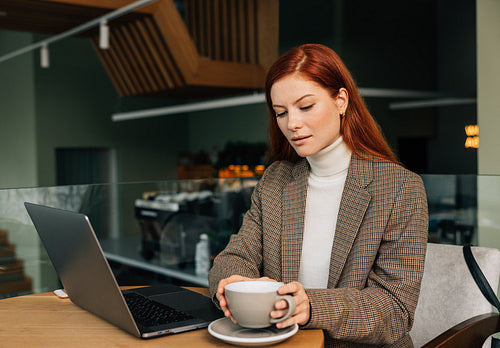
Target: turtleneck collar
x,y
331,160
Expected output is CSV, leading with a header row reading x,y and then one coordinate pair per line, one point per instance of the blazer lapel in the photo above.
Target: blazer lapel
x,y
355,201
294,203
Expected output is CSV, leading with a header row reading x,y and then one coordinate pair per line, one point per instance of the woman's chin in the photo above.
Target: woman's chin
x,y
303,153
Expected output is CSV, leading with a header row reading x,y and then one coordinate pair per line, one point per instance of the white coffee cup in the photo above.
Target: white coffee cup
x,y
251,302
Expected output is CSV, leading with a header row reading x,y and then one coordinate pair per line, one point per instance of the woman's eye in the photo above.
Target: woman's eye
x,y
305,108
280,114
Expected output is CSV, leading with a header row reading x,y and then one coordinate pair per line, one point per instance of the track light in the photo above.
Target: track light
x,y
102,21
255,98
104,35
429,103
44,56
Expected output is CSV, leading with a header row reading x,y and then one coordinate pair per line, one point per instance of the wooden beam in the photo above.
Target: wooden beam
x,y
177,38
252,29
267,22
228,74
168,61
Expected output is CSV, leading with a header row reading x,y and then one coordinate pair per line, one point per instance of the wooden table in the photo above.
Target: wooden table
x,y
44,320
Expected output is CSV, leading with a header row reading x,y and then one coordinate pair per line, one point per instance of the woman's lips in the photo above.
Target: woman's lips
x,y
299,140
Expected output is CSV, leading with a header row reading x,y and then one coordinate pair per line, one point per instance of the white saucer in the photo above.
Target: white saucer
x,y
225,330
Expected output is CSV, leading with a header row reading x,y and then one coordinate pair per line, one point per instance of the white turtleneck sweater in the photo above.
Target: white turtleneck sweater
x,y
326,184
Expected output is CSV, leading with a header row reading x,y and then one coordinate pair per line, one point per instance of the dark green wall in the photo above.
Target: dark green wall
x,y
17,114
74,103
415,45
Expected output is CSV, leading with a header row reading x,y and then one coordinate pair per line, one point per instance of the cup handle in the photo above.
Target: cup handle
x,y
291,308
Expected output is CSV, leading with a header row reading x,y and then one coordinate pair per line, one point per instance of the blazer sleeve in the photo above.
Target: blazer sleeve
x,y
382,311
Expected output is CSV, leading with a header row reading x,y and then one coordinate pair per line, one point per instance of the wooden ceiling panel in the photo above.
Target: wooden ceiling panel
x,y
169,69
154,59
220,44
143,56
45,17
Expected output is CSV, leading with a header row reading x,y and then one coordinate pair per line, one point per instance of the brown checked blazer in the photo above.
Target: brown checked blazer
x,y
377,259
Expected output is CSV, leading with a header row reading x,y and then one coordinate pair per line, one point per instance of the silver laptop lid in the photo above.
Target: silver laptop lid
x,y
77,256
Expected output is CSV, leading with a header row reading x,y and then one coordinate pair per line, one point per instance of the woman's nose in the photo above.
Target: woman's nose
x,y
294,121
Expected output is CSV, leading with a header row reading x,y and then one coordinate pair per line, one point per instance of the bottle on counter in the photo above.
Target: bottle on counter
x,y
202,256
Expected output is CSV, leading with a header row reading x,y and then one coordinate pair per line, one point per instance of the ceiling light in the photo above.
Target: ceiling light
x,y
255,99
431,103
104,35
177,109
44,56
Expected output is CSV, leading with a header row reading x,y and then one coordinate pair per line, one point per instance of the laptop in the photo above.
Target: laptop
x,y
87,278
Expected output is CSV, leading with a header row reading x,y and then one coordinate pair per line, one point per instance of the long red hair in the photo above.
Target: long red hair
x,y
322,65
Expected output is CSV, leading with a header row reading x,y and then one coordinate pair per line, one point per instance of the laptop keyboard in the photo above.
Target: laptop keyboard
x,y
151,313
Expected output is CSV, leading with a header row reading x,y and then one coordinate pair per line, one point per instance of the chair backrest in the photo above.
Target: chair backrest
x,y
449,294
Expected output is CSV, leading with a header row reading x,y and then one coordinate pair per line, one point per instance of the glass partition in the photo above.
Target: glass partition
x,y
452,201
149,230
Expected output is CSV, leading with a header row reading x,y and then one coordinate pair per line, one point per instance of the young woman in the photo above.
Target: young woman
x,y
335,217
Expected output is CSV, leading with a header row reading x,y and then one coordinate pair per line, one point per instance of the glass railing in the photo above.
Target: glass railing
x,y
452,201
149,230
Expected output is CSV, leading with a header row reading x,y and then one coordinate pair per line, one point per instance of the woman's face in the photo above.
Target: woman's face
x,y
307,115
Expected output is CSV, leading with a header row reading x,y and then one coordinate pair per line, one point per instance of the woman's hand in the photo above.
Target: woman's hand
x,y
302,309
220,292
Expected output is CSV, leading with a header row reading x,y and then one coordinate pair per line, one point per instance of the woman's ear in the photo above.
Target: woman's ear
x,y
342,100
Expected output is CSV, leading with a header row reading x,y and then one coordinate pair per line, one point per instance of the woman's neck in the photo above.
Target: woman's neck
x,y
331,160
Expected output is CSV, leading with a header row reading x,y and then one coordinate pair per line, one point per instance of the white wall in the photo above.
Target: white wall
x,y
488,85
488,97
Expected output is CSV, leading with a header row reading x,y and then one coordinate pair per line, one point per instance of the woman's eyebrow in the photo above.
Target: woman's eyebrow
x,y
296,102
304,96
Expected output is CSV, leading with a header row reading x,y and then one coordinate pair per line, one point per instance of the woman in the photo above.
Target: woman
x,y
334,217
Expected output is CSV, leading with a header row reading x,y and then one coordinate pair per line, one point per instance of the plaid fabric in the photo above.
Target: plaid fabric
x,y
377,258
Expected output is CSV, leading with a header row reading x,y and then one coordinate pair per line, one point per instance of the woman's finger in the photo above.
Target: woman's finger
x,y
302,308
